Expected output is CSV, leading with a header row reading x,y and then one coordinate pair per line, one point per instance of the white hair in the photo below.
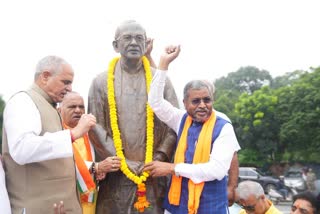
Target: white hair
x,y
247,188
197,85
52,64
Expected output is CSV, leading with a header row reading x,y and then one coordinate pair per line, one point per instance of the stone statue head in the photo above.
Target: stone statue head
x,y
130,40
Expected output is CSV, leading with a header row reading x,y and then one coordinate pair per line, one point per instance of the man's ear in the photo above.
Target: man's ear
x,y
115,46
185,103
45,76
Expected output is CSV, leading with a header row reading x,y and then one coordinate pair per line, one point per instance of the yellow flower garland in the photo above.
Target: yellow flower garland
x,y
141,192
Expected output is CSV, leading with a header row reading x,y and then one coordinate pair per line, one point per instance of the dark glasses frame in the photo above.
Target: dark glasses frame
x,y
197,101
249,208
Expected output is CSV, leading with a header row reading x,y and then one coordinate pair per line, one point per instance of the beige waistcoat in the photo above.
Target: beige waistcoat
x,y
35,187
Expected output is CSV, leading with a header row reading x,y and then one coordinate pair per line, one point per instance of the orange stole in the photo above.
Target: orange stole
x,y
201,155
85,182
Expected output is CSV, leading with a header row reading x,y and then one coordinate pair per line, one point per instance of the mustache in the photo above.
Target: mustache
x,y
202,110
77,116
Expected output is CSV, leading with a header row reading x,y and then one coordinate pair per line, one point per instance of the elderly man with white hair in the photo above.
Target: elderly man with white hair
x,y
253,200
37,151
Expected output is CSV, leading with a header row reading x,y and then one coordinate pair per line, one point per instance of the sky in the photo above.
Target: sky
x,y
216,37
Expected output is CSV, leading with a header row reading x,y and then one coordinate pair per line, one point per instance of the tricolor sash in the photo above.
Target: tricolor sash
x,y
85,182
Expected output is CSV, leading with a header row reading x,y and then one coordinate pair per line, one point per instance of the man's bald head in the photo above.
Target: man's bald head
x,y
71,108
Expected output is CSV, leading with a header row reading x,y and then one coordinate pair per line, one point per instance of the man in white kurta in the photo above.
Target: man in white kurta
x,y
198,103
37,152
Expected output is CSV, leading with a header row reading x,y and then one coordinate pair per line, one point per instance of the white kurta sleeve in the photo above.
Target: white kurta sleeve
x,y
22,124
164,110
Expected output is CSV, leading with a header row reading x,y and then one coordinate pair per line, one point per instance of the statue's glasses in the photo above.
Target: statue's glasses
x,y
128,38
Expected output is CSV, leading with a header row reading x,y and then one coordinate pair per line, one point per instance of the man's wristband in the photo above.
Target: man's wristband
x,y
92,168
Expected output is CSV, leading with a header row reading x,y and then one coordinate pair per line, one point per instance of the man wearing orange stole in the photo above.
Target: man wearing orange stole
x,y
205,146
87,170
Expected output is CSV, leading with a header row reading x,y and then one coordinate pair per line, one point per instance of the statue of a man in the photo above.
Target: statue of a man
x,y
129,129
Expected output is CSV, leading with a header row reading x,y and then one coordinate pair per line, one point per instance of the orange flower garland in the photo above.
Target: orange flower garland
x,y
142,202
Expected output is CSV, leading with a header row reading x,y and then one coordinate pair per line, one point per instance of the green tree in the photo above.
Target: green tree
x,y
258,126
299,112
245,79
287,79
226,103
228,89
276,123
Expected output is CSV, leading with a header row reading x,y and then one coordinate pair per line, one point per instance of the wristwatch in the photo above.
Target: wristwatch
x,y
92,169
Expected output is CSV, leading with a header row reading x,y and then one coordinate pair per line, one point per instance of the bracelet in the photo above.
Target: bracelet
x,y
92,168
72,137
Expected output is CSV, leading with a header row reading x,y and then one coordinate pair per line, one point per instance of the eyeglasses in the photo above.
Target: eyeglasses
x,y
128,38
301,210
197,101
249,208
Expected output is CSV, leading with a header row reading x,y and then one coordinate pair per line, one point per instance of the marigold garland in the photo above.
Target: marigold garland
x,y
142,202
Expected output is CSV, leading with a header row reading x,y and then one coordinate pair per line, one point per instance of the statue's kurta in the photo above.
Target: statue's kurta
x,y
117,193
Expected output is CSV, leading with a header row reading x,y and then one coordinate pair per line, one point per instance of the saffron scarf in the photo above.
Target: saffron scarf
x,y
201,155
85,182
